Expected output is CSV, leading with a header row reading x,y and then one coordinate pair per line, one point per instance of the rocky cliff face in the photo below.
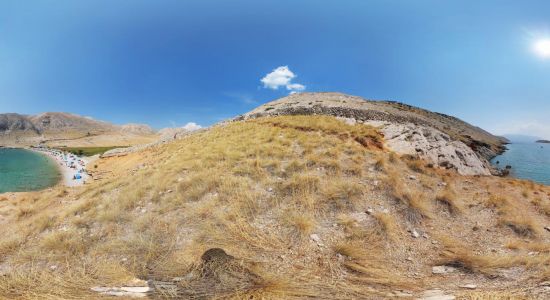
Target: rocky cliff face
x,y
440,139
14,122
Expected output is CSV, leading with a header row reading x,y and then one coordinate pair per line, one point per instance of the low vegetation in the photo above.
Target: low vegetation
x,y
305,207
88,151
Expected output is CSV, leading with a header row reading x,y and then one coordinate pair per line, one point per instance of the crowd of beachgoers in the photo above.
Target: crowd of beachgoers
x,y
72,167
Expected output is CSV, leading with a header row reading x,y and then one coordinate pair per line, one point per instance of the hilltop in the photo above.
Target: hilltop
x,y
65,129
287,205
440,139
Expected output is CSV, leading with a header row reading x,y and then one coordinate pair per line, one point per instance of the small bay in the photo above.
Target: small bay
x,y
24,170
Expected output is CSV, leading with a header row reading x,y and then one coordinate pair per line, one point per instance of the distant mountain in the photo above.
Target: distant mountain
x,y
137,128
55,122
17,129
521,138
543,141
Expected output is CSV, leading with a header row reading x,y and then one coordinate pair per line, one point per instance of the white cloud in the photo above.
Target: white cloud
x,y
295,87
282,76
191,126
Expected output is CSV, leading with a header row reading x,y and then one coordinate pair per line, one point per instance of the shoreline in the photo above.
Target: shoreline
x,y
63,161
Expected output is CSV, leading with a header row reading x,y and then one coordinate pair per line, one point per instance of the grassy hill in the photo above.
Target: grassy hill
x,y
302,206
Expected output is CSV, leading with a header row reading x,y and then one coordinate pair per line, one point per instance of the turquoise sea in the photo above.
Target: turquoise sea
x,y
24,170
528,160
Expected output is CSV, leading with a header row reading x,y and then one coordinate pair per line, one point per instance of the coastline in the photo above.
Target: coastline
x,y
66,172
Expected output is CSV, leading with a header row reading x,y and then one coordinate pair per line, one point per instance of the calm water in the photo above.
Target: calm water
x,y
528,161
23,170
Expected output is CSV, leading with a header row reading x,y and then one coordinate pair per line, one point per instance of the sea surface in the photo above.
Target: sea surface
x,y
23,170
528,160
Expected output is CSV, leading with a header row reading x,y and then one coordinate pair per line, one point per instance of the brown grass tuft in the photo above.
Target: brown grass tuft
x,y
450,201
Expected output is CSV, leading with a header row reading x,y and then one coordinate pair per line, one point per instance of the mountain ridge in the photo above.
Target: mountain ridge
x,y
22,130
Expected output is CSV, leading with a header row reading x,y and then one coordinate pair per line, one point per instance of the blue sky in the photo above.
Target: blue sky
x,y
167,63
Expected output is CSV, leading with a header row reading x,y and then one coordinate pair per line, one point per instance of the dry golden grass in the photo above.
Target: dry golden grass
x,y
368,267
388,225
303,222
531,246
450,200
459,255
543,205
258,189
514,216
416,202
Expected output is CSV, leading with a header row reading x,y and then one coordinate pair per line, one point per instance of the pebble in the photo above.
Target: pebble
x,y
412,177
415,234
547,228
469,286
315,237
125,291
370,211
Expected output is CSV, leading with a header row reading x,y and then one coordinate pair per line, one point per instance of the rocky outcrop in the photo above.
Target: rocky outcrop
x,y
433,146
443,140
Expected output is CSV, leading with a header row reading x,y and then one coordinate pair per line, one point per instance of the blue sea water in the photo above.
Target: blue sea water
x,y
528,160
24,170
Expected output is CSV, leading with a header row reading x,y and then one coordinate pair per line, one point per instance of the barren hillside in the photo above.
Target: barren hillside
x,y
285,207
64,129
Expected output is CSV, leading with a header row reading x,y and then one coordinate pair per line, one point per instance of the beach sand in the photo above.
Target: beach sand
x,y
67,172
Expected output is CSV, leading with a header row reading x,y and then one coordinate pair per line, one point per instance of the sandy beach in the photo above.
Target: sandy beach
x,y
71,166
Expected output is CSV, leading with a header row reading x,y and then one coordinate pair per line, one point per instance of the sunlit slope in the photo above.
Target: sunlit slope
x,y
304,206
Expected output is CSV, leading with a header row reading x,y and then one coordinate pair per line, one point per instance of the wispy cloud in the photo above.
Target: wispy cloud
x,y
282,77
241,97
